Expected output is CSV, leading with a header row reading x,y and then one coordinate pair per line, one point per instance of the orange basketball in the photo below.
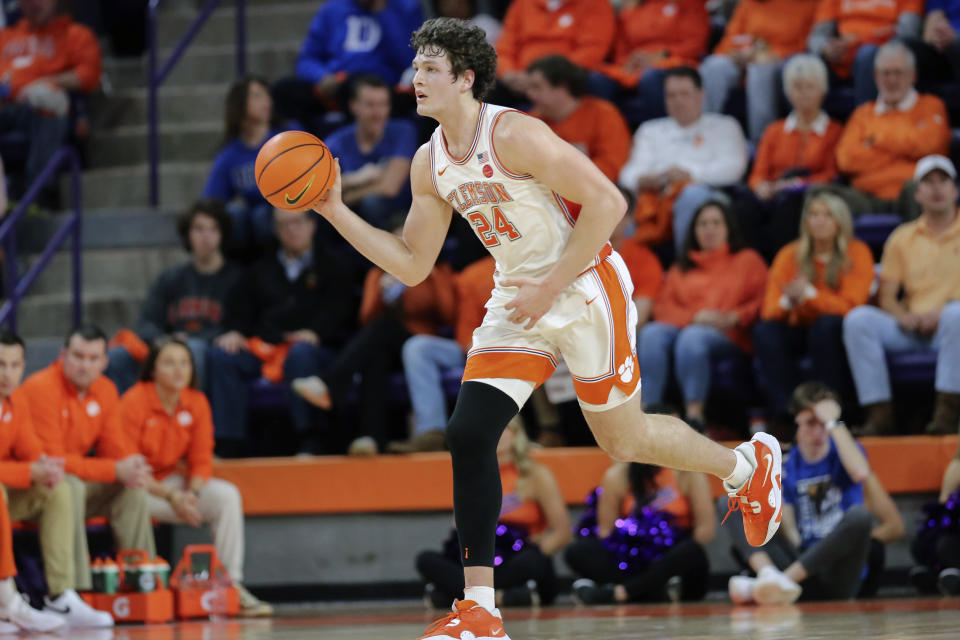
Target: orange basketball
x,y
294,170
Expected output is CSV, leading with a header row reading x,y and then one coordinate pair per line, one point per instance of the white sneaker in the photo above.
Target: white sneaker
x,y
27,618
75,612
774,587
741,589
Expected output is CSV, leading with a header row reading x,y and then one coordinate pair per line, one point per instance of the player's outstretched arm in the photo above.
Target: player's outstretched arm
x,y
411,256
527,145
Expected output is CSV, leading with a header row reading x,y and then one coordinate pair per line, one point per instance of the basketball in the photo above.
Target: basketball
x,y
294,170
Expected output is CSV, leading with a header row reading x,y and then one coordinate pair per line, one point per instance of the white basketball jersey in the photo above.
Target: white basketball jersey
x,y
523,224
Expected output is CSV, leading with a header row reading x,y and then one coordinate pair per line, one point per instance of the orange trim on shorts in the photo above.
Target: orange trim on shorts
x,y
509,362
597,390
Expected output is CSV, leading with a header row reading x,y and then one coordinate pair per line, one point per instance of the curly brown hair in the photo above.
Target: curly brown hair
x,y
466,48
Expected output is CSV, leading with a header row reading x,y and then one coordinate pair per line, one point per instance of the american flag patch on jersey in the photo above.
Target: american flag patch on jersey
x,y
483,157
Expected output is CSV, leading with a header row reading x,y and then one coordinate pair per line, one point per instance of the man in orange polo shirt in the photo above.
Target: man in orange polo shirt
x,y
70,404
42,57
594,126
922,258
883,140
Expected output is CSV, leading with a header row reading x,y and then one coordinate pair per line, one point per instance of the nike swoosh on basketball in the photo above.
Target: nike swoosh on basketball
x,y
440,173
769,459
293,201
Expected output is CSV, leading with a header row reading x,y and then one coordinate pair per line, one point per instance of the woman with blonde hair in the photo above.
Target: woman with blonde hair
x,y
813,282
534,525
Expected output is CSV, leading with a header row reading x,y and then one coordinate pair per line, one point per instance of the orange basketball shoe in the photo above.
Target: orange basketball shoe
x,y
760,500
468,621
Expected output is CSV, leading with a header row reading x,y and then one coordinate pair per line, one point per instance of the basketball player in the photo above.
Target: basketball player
x,y
544,212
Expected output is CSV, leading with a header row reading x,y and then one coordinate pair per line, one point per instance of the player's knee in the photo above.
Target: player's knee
x,y
468,433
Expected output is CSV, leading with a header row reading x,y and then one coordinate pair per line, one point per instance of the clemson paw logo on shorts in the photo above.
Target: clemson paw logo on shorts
x,y
625,370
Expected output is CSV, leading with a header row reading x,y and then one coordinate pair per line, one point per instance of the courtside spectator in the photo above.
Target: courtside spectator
x,y
794,153
248,124
677,161
374,153
71,403
425,356
36,492
823,544
188,300
168,421
43,57
390,313
534,524
653,35
467,10
759,38
682,500
848,34
922,258
705,310
347,37
937,545
883,140
556,87
292,305
813,282
580,30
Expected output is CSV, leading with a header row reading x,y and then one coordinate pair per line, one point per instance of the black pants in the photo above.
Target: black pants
x,y
947,552
768,226
777,347
511,576
589,558
372,353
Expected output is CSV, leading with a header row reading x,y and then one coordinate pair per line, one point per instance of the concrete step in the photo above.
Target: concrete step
x,y
104,229
204,64
180,184
41,352
48,315
126,107
179,141
105,270
266,23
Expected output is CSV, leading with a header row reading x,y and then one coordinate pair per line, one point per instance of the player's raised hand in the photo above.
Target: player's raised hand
x,y
327,205
532,301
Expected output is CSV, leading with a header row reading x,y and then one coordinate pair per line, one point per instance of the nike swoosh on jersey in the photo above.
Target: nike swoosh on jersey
x,y
440,173
292,201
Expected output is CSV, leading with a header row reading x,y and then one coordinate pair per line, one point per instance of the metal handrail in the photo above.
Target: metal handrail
x,y
17,287
155,79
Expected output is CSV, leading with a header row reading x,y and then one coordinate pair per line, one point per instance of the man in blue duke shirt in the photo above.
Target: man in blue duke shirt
x,y
375,153
348,37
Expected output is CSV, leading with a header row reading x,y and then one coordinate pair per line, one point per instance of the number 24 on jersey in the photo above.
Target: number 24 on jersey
x,y
490,236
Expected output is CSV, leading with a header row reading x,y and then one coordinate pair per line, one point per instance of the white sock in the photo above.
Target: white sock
x,y
483,596
8,591
768,570
741,473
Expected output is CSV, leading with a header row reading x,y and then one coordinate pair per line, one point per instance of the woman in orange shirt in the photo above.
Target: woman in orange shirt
x,y
169,422
534,525
814,281
705,309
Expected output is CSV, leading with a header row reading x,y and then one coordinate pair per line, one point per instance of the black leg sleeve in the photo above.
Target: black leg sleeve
x,y
481,415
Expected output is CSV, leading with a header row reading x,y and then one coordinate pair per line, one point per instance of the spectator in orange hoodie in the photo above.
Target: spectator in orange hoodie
x,y
390,312
653,35
42,57
759,38
593,125
883,140
705,310
813,283
580,30
847,35
70,403
168,421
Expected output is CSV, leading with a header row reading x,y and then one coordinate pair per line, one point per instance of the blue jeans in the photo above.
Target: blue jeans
x,y
305,360
424,357
230,375
864,82
45,134
380,210
124,371
721,75
689,350
252,226
869,333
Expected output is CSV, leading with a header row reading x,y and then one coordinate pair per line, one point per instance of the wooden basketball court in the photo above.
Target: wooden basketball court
x,y
877,620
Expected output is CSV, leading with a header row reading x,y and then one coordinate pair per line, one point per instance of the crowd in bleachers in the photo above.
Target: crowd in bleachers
x,y
757,145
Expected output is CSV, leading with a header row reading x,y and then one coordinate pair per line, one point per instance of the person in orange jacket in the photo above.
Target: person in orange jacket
x,y
70,404
704,310
42,58
169,422
813,282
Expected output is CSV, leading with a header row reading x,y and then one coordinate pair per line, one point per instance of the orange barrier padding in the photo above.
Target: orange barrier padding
x,y
424,482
